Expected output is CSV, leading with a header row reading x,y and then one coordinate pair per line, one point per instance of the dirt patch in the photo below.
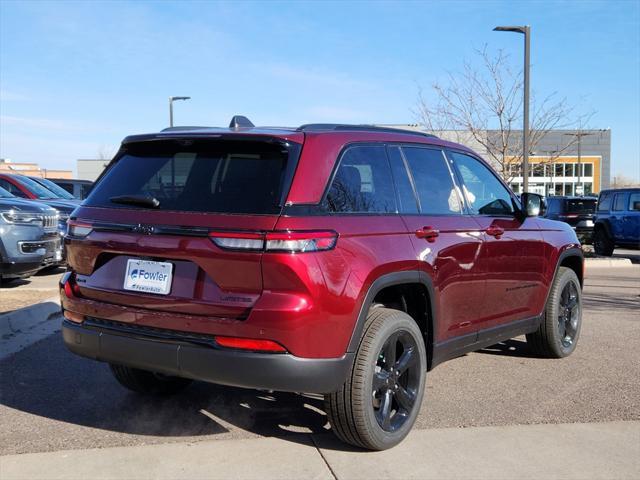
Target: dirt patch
x,y
11,300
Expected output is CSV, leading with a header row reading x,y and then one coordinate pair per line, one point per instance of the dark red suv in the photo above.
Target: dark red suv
x,y
335,259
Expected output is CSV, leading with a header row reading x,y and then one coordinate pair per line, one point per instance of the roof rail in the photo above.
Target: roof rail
x,y
311,127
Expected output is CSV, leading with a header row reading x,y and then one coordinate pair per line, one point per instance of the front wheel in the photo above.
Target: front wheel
x,y
379,403
558,333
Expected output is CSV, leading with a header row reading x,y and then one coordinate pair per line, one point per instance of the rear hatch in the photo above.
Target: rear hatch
x,y
578,212
170,225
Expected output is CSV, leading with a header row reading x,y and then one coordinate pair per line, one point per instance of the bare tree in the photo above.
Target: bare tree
x,y
620,180
484,105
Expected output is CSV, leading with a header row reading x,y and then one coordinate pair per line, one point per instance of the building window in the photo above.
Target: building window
x,y
568,169
588,169
557,189
559,170
537,170
568,188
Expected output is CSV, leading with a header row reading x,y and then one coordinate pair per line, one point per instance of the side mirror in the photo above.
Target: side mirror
x,y
532,204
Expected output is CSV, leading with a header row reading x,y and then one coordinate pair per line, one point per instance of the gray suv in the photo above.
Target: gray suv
x,y
29,238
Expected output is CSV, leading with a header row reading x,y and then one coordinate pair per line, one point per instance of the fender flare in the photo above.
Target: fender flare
x,y
389,280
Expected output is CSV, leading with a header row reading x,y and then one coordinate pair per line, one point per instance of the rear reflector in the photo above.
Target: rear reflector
x,y
73,317
255,345
78,229
289,242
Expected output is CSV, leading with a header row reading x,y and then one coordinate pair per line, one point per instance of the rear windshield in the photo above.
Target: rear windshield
x,y
217,177
580,206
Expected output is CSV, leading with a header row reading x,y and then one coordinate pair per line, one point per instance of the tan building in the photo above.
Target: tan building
x,y
32,169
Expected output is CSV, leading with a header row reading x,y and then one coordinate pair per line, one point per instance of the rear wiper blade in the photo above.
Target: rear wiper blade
x,y
141,200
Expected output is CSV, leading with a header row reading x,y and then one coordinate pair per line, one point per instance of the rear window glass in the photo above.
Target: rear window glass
x,y
580,206
217,177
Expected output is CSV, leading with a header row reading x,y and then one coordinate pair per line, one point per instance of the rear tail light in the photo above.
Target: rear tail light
x,y
71,288
300,241
78,229
238,240
253,344
289,242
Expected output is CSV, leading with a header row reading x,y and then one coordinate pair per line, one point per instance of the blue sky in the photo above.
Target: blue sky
x,y
76,77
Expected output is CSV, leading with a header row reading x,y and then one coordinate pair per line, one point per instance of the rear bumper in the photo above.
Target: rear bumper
x,y
281,372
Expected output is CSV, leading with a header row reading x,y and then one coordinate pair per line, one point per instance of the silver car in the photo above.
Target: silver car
x,y
29,238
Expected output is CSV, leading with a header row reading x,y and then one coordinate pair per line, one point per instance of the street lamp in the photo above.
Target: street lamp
x,y
171,100
579,135
526,31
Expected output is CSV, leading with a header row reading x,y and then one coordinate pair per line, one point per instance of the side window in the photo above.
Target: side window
x,y
362,183
431,175
406,195
634,202
484,192
618,204
11,188
604,204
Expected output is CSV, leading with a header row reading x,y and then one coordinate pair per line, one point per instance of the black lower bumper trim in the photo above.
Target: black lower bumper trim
x,y
281,372
19,269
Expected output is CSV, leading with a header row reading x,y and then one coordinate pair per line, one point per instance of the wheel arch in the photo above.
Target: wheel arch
x,y
410,291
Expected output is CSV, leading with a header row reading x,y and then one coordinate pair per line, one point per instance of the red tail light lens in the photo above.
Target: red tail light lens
x,y
291,242
253,344
301,241
78,229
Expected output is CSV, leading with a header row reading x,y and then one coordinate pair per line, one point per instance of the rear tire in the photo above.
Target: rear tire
x,y
558,333
602,244
380,401
148,383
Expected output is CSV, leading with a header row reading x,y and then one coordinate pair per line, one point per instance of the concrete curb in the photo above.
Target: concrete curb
x,y
608,262
25,326
557,451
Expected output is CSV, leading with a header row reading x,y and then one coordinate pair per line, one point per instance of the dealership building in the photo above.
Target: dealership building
x,y
556,165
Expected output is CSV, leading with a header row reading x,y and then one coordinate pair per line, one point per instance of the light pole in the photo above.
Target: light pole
x,y
579,134
526,31
171,100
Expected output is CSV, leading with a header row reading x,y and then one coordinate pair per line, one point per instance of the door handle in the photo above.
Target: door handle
x,y
428,233
495,231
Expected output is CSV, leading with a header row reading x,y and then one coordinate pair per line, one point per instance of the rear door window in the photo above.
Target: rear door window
x,y
433,180
618,203
362,182
634,202
406,193
217,177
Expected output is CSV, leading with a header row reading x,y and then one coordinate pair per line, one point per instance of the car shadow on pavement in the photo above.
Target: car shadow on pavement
x,y
510,348
47,381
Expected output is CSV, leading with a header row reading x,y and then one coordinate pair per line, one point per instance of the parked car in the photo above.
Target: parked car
x,y
576,211
55,189
617,220
23,187
78,188
28,237
333,259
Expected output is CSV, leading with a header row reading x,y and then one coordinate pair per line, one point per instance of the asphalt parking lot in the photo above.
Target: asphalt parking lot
x,y
52,400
